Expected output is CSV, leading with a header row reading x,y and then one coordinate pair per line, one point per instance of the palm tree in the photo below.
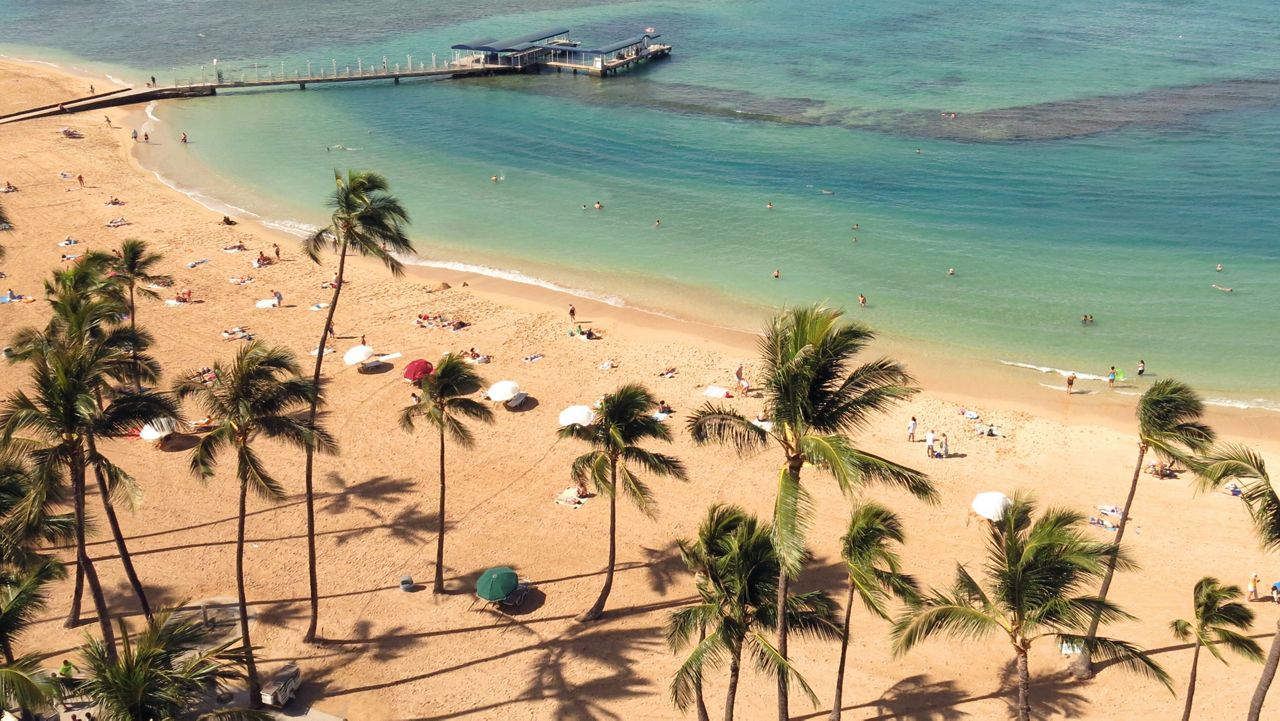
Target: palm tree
x,y
737,592
815,397
1169,424
1234,463
875,573
444,405
160,673
132,269
698,557
1217,612
369,221
25,685
624,419
86,309
29,523
1035,571
61,413
22,597
259,393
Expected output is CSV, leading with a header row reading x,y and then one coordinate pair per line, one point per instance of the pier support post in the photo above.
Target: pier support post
x,y
302,86
397,81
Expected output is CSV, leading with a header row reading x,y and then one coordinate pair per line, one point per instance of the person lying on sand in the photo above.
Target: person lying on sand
x,y
262,260
115,201
239,246
117,222
237,333
669,372
9,188
183,296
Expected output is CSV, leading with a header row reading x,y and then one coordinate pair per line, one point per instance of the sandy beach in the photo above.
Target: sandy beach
x,y
393,655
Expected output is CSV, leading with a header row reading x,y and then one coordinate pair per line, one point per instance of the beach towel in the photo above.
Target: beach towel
x,y
316,351
266,303
197,263
660,417
319,306
766,426
569,497
532,358
171,302
717,392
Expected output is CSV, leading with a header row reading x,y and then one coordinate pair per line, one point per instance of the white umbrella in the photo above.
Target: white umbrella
x,y
577,416
504,391
357,354
157,429
990,505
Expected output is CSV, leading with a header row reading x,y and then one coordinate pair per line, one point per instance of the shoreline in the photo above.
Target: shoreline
x,y
389,654
951,371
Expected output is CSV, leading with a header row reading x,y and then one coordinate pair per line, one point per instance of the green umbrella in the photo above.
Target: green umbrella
x,y
497,583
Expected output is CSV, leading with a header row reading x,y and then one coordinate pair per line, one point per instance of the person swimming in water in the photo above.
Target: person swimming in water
x,y
1219,268
598,206
1224,290
777,273
769,205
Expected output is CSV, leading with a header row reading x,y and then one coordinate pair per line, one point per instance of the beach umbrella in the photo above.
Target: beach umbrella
x,y
158,428
417,370
496,584
990,505
577,416
357,354
504,391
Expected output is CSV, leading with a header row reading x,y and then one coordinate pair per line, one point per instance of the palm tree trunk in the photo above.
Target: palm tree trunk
x,y
844,650
77,595
700,703
312,579
133,349
251,667
7,649
109,508
1191,684
735,669
597,609
784,591
82,555
1082,668
1024,686
439,583
1264,681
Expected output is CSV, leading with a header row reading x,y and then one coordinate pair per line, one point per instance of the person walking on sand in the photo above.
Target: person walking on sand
x,y
573,314
1111,377
911,430
1253,586
928,444
276,248
945,449
1071,383
80,179
279,297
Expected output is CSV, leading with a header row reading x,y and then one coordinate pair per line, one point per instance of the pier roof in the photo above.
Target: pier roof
x,y
522,42
603,50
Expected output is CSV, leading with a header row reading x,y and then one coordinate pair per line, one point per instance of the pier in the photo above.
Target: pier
x,y
550,49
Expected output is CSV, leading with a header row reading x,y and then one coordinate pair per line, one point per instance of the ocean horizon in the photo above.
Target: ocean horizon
x,y
1103,160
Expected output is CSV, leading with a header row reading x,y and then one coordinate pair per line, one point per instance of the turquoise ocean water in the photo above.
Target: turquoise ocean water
x,y
1104,157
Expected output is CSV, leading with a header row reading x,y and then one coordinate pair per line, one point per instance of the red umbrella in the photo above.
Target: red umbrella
x,y
417,370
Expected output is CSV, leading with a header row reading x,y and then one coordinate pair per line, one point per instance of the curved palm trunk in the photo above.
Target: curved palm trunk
x,y
109,508
77,595
1082,668
312,580
251,667
1191,683
699,701
1024,685
837,699
1264,681
82,555
439,583
597,609
735,669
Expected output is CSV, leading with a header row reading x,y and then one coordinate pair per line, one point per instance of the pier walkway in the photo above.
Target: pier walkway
x,y
550,48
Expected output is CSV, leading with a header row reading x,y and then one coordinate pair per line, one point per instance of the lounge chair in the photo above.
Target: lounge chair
x,y
518,400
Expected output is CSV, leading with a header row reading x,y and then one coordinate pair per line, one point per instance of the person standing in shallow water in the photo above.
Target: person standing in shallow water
x,y
1111,377
862,300
1142,366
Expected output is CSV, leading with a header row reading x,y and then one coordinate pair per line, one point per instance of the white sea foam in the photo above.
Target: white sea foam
x,y
208,202
151,106
1049,369
292,227
30,60
515,276
116,80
